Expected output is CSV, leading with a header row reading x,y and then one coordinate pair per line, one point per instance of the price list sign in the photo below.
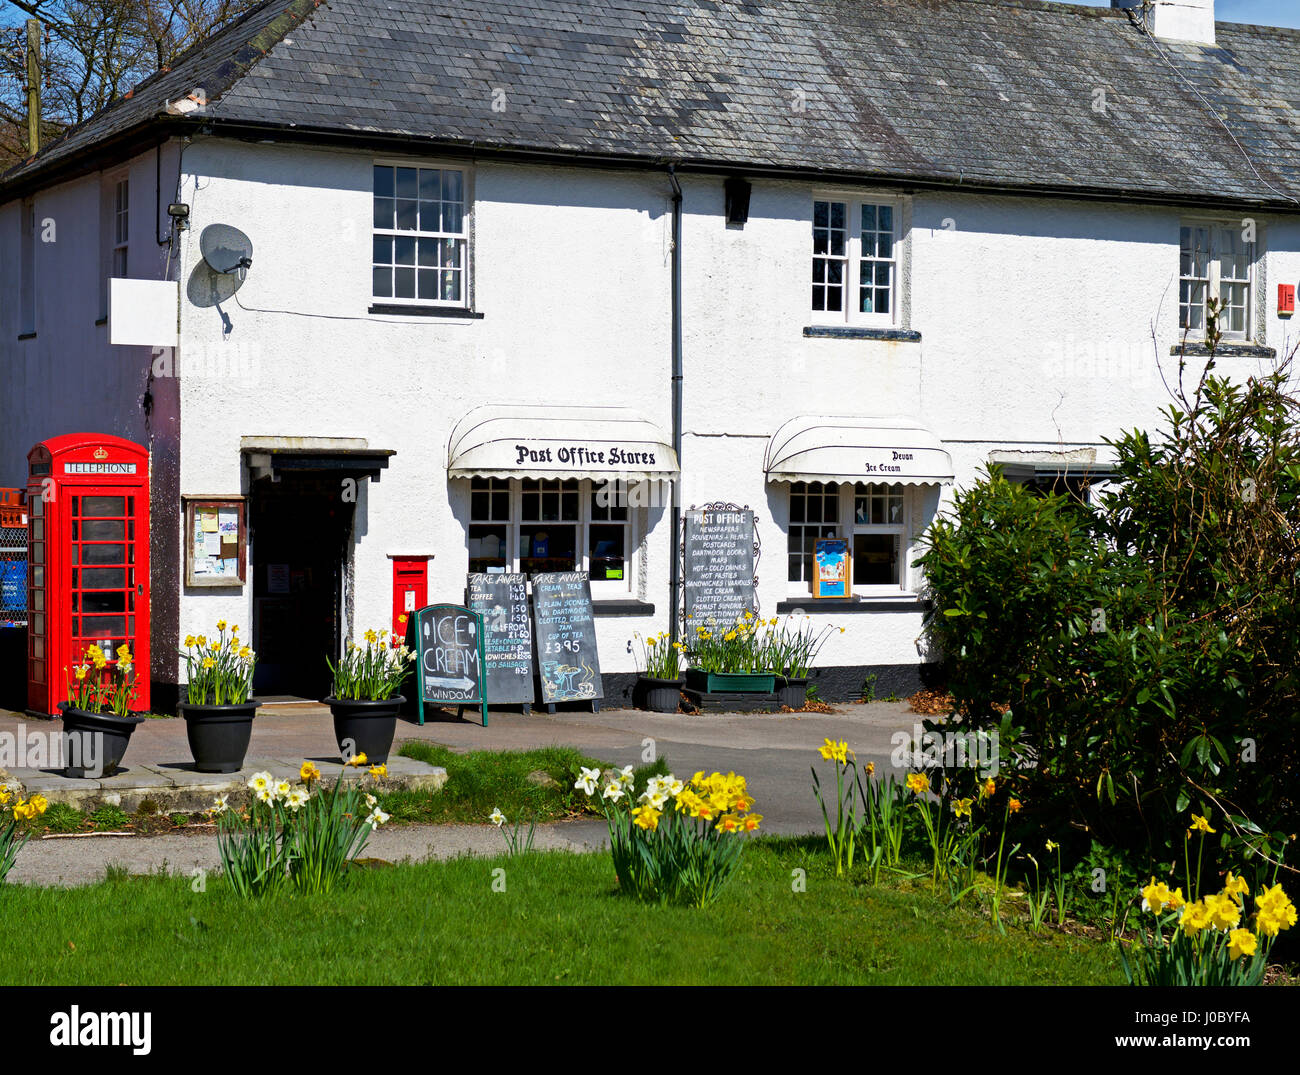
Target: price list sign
x,y
502,600
567,662
718,566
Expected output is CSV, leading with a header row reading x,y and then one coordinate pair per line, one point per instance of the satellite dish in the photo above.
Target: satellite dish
x,y
227,250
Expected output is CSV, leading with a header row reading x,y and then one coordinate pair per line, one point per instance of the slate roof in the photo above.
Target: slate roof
x,y
993,94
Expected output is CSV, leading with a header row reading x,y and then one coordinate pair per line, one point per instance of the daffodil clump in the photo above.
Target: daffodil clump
x,y
661,657
296,834
373,672
218,671
98,685
753,644
16,816
842,836
1208,941
678,841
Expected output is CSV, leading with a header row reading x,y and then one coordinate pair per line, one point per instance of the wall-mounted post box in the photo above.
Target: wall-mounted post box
x,y
410,589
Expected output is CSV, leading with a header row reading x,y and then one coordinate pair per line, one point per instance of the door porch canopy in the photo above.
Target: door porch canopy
x,y
600,443
856,449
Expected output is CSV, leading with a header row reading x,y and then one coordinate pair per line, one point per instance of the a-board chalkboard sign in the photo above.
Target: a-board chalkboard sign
x,y
449,645
502,601
718,566
567,662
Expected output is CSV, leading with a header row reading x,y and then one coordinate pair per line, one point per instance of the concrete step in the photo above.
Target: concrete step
x,y
178,786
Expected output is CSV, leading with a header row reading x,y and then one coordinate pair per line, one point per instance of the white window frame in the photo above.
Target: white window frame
x,y
851,314
1213,279
120,225
601,589
902,529
845,529
465,235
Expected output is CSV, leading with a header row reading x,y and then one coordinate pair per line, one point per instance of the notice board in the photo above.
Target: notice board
x,y
502,601
567,662
718,566
449,648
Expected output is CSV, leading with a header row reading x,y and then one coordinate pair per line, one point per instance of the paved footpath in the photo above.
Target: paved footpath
x,y
773,751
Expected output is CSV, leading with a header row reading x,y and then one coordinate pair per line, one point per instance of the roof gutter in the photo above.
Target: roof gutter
x,y
163,125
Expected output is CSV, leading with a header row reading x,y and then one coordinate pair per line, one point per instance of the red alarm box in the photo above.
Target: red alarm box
x,y
1285,300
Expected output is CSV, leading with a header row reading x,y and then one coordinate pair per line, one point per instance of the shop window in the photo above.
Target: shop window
x,y
1216,263
879,538
420,244
534,525
814,513
872,517
855,261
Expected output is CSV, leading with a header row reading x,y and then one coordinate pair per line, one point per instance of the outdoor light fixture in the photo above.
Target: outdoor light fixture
x,y
180,214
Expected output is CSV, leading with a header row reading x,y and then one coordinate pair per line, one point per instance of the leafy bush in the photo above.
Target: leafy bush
x,y
1145,647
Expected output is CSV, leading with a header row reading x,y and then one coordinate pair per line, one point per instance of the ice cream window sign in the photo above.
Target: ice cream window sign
x,y
831,575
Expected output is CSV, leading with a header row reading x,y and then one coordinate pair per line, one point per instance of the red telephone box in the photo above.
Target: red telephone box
x,y
88,573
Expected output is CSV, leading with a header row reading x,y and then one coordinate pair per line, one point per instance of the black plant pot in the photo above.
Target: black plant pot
x,y
219,734
95,742
792,693
365,727
658,695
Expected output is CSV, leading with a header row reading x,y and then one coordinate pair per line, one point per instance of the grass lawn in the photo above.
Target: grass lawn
x,y
482,780
559,921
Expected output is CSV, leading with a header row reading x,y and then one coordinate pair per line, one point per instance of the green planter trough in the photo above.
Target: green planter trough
x,y
730,682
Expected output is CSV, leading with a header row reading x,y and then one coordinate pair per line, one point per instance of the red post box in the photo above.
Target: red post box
x,y
410,589
88,571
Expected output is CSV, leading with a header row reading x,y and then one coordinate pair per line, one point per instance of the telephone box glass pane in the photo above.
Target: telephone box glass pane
x,y
103,626
103,505
104,578
103,602
103,554
103,530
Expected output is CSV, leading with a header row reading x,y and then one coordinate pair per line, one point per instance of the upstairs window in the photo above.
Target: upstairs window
x,y
855,261
420,239
121,226
1216,263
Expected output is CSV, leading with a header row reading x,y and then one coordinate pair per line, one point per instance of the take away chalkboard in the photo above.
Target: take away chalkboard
x,y
502,601
449,646
718,566
567,662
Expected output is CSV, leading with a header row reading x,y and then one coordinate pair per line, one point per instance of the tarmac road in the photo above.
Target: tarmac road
x,y
773,751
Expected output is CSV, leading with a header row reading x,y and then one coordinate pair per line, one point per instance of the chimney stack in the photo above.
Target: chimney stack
x,y
1175,20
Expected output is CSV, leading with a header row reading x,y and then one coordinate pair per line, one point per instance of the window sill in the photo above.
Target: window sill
x,y
101,321
902,603
1227,349
424,311
622,608
852,332
27,335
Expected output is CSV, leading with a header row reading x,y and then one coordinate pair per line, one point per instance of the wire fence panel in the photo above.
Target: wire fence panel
x,y
13,576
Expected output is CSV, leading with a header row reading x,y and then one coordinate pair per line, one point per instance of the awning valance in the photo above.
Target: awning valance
x,y
270,456
856,449
601,443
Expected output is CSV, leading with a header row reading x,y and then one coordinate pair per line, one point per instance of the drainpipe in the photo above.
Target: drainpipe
x,y
674,569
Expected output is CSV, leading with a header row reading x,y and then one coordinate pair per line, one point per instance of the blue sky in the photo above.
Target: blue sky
x,y
1264,12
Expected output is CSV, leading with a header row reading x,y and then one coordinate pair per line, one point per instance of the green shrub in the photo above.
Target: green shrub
x,y
1145,647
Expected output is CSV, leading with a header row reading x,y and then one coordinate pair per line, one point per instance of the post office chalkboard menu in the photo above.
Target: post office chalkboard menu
x,y
719,566
502,600
449,647
567,661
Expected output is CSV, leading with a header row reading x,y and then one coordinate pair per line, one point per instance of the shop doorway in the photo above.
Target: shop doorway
x,y
301,536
